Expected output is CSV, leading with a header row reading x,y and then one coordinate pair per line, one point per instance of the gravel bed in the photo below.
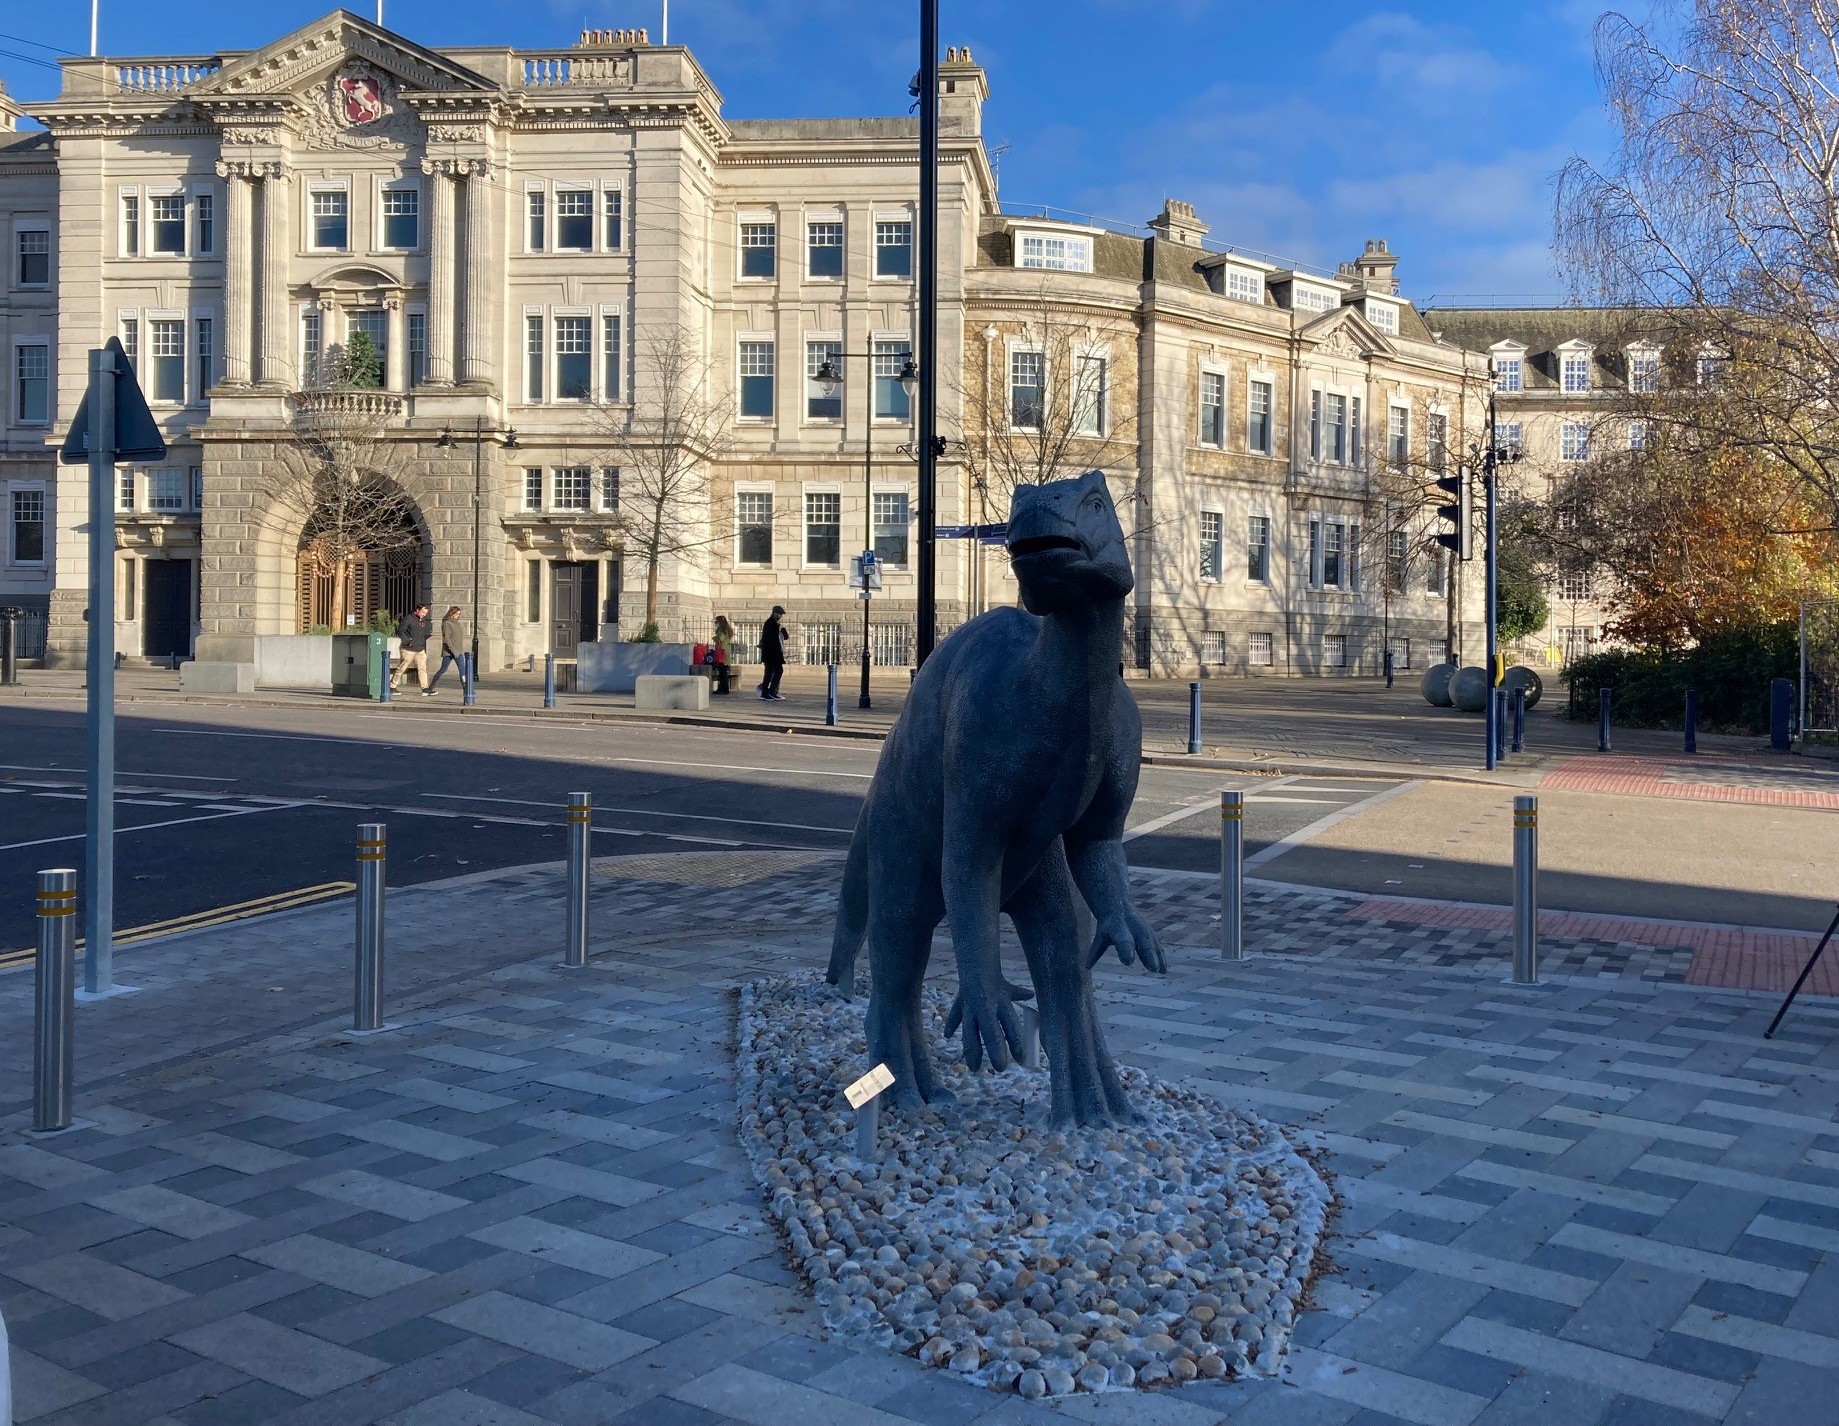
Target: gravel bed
x,y
1026,1258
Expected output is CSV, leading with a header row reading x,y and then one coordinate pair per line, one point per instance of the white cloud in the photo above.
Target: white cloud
x,y
1418,66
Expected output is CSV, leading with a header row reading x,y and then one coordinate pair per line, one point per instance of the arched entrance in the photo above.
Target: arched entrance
x,y
347,578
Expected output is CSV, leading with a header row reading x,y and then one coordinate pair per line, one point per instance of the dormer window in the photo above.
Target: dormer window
x,y
1312,299
1056,252
1574,368
1508,373
1383,315
1244,285
1644,370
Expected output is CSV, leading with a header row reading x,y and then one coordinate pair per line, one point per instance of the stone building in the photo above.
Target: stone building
x,y
520,236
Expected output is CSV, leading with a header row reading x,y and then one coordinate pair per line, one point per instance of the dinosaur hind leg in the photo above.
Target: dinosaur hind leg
x,y
900,945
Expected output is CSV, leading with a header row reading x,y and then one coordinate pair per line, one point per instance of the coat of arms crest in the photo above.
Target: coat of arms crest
x,y
360,99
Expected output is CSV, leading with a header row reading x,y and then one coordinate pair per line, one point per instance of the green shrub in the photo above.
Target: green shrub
x,y
648,635
1729,671
383,622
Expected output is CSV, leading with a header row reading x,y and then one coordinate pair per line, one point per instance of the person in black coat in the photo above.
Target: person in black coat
x,y
415,630
773,639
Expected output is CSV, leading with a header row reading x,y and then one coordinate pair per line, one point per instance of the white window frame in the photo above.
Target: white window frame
x,y
742,340
149,319
314,190
405,184
1319,523
1569,353
1398,460
594,215
1210,370
1577,449
1267,379
1383,315
742,222
540,188
903,341
1637,435
1319,299
615,188
1337,642
1270,546
42,488
833,340
1351,410
1076,250
828,218
1260,639
613,391
199,376
14,402
1080,407
879,492
16,255
902,215
166,476
1643,352
194,196
766,488
586,505
122,194
1218,515
546,390
1242,284
553,353
155,192
1013,350
804,526
532,474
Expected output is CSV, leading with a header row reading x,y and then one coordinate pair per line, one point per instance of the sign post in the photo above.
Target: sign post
x,y
112,425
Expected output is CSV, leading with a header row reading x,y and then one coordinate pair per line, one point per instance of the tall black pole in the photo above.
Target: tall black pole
x,y
478,486
1488,461
868,522
928,326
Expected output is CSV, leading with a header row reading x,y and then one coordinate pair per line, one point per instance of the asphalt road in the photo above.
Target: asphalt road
x,y
217,807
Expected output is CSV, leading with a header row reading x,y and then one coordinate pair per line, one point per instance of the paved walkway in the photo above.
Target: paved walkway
x,y
1601,1200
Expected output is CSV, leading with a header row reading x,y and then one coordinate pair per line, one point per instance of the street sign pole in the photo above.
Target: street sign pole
x,y
99,823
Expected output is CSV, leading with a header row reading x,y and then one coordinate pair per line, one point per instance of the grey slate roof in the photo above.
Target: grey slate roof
x,y
1544,329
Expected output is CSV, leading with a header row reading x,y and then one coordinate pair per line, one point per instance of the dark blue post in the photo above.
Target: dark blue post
x,y
466,679
1193,717
1519,720
1781,714
383,657
830,699
1692,720
1499,701
549,680
1602,720
1388,662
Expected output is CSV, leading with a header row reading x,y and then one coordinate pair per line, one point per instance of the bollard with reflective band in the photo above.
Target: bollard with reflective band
x,y
1519,720
830,700
1193,717
53,1042
466,679
1232,875
1692,720
549,680
1602,720
367,999
580,860
1526,890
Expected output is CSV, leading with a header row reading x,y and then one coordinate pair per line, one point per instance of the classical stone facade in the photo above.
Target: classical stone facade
x,y
518,235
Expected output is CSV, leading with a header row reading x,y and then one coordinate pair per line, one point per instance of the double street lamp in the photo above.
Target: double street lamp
x,y
829,382
479,435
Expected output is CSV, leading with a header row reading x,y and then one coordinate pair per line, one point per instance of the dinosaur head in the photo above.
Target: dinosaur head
x,y
1066,546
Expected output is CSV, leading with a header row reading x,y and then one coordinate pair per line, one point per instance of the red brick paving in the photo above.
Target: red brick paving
x,y
1647,777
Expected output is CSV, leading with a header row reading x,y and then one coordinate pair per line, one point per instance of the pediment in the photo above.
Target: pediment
x,y
1345,333
300,62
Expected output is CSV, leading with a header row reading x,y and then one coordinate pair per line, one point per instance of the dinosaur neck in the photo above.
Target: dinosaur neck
x,y
1083,643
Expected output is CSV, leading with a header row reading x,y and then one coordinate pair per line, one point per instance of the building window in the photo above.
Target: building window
x,y
823,527
820,406
533,488
759,249
1213,646
418,348
824,250
1574,441
310,345
535,210
1434,568
1212,409
1056,253
533,357
574,220
130,341
1710,368
893,247
332,220
168,343
1258,650
1507,443
1244,286
1384,316
572,488
533,591
1027,375
574,356
1398,561
1089,395
34,265
1644,372
1436,442
402,218
130,225
1258,427
1313,299
204,339
1258,549
28,526
609,490
1575,588
197,475
1212,545
32,385
1334,428
754,514
1334,650
890,518
757,381
1574,372
374,323
1334,551
204,223
891,400
1398,437
124,491
167,489
613,215
1508,373
167,220
610,353
1637,435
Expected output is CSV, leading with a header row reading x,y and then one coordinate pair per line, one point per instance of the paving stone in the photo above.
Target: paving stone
x,y
463,1408
544,1331
289,1359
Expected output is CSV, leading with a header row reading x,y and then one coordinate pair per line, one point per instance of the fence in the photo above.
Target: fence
x,y
1819,692
28,636
815,643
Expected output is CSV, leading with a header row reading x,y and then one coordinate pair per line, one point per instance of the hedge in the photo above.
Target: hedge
x,y
1730,671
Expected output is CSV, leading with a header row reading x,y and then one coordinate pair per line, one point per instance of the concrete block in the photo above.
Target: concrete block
x,y
226,648
604,666
686,691
212,676
294,661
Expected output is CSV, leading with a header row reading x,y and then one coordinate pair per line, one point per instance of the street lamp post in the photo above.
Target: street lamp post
x,y
481,433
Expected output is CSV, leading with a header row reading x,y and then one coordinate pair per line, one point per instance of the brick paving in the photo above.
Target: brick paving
x,y
1599,1201
1801,784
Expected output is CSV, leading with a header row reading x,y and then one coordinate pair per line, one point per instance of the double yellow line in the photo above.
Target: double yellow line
x,y
201,920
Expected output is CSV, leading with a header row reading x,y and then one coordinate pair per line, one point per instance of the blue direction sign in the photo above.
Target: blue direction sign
x,y
136,435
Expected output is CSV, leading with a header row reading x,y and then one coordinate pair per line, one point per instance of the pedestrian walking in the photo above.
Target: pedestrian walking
x,y
415,630
773,639
453,644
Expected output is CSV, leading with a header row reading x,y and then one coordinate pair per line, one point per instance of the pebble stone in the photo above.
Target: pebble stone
x,y
988,1243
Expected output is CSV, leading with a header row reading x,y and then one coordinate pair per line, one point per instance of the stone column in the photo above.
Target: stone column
x,y
440,271
476,358
277,366
237,295
396,377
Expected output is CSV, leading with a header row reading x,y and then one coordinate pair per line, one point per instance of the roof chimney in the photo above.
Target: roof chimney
x,y
1376,267
1177,223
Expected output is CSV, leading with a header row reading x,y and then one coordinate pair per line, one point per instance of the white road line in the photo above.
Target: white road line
x,y
163,776
148,826
281,737
1322,824
644,812
737,767
1192,809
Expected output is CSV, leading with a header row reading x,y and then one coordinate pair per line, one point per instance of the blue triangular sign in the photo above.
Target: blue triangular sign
x,y
137,435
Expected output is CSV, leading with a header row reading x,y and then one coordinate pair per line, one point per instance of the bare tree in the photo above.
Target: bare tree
x,y
666,448
1720,206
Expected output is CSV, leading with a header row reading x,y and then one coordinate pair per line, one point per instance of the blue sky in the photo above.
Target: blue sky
x,y
1298,129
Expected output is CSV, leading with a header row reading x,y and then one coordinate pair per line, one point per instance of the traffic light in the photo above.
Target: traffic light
x,y
1459,517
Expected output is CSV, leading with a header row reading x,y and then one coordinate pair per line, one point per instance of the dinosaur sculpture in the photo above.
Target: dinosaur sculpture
x,y
1004,787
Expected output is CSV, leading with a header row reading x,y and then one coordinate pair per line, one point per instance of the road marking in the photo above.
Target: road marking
x,y
163,776
152,826
1194,809
201,920
643,812
1322,824
738,767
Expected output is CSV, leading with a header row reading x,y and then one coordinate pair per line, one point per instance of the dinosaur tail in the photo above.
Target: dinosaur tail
x,y
851,913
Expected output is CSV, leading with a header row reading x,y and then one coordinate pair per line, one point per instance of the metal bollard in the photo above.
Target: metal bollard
x,y
1232,875
367,1001
549,680
1193,717
1602,720
580,860
1031,1036
830,700
867,1121
54,1046
9,647
1500,725
1388,663
384,692
1519,720
1525,891
1692,720
466,680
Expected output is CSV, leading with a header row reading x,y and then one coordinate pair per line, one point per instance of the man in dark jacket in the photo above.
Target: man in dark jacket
x,y
772,654
415,630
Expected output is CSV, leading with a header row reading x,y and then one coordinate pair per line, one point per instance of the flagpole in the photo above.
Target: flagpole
x,y
666,37
94,6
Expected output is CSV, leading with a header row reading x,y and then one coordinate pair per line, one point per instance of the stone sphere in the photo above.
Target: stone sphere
x,y
1435,684
1468,690
1520,676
